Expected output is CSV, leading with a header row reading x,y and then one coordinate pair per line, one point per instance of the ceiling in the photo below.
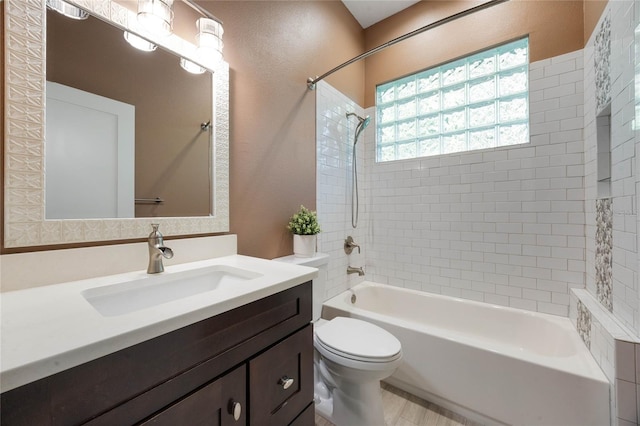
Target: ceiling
x,y
368,12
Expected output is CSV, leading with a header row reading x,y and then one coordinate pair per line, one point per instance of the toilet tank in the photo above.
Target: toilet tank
x,y
321,262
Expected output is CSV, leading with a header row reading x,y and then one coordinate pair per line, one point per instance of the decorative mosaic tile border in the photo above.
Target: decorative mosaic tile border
x,y
604,252
602,63
583,324
25,224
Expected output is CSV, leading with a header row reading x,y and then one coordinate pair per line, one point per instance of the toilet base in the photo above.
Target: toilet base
x,y
324,407
356,405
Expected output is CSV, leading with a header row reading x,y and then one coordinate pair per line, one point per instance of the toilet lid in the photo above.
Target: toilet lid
x,y
359,339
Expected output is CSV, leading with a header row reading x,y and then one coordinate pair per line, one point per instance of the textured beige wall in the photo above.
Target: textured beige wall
x,y
592,11
272,48
554,27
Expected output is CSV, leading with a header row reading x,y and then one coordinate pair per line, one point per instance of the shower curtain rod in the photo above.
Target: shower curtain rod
x,y
311,82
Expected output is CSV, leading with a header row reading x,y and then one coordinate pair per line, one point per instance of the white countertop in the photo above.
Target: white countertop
x,y
49,329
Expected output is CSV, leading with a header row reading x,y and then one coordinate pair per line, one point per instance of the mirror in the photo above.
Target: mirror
x,y
122,125
25,222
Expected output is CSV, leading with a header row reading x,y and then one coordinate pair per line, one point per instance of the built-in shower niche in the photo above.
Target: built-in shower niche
x,y
604,212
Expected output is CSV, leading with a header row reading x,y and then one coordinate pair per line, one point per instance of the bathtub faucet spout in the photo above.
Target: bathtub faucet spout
x,y
354,270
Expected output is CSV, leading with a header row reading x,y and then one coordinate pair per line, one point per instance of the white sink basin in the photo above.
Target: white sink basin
x,y
152,290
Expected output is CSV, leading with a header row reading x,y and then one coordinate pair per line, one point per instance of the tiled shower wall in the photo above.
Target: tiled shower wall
x,y
504,225
334,144
619,20
612,304
516,225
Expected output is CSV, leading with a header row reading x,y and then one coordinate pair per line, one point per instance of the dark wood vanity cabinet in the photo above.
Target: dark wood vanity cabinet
x,y
220,403
278,380
252,365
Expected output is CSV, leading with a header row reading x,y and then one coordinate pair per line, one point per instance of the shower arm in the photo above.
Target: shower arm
x,y
311,82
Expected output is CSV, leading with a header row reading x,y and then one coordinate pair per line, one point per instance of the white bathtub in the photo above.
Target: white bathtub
x,y
494,364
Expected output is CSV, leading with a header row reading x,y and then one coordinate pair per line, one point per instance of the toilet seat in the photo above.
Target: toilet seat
x,y
358,341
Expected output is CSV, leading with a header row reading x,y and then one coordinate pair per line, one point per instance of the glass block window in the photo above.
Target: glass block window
x,y
477,102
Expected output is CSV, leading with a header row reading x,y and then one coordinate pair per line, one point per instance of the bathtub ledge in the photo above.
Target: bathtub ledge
x,y
617,330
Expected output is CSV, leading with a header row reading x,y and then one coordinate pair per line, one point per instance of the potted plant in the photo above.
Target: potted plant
x,y
305,228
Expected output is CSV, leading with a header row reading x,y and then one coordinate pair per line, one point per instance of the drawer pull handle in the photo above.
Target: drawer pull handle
x,y
235,408
285,382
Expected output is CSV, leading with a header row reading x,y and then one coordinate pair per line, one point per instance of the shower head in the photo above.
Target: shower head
x,y
362,123
360,119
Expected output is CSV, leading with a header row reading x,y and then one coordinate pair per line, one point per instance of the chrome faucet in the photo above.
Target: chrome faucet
x,y
157,250
354,270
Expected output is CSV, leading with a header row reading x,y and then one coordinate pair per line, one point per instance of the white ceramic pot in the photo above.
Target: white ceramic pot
x,y
304,245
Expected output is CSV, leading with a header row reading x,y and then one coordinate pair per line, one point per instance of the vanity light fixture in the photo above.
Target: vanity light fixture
x,y
139,43
67,10
156,16
209,39
191,67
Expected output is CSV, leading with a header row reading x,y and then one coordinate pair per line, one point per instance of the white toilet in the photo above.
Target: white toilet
x,y
351,357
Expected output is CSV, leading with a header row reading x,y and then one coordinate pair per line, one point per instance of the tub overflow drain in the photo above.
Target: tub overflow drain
x,y
353,298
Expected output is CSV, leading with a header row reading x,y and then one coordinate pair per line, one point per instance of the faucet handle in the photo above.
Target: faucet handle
x,y
155,237
349,245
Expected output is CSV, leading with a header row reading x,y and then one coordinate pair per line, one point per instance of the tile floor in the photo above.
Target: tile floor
x,y
404,409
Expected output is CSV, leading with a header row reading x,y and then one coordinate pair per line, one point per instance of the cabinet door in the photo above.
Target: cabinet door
x,y
281,380
306,418
214,404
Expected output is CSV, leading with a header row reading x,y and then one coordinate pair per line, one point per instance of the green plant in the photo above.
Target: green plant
x,y
305,222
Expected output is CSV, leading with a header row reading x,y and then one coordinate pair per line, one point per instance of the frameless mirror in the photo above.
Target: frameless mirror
x,y
25,144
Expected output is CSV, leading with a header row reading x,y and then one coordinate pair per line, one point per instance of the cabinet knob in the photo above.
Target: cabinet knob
x,y
285,382
235,409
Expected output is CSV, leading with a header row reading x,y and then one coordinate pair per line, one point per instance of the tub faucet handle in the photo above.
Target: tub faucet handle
x,y
349,245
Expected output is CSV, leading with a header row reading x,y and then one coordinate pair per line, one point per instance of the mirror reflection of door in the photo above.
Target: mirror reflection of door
x,y
89,152
173,155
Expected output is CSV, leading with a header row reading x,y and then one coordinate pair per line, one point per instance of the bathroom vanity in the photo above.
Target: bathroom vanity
x,y
252,364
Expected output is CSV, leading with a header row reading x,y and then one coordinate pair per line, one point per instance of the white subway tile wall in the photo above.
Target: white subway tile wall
x,y
334,144
504,225
614,335
624,176
622,19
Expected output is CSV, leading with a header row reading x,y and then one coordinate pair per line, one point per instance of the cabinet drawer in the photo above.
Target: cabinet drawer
x,y
212,405
281,380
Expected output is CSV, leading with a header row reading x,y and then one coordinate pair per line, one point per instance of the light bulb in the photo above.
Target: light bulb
x,y
191,67
138,42
67,10
209,40
156,16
